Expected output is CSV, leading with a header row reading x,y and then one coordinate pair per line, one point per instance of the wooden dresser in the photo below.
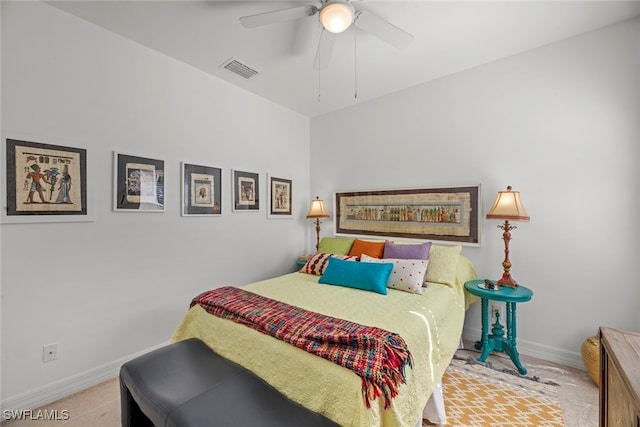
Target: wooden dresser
x,y
619,378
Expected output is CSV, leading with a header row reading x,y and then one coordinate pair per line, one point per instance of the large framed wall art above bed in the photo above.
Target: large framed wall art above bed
x,y
449,214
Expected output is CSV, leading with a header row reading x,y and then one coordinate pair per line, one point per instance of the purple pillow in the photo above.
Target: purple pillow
x,y
391,250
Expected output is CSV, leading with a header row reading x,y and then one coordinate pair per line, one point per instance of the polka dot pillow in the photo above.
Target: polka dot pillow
x,y
407,274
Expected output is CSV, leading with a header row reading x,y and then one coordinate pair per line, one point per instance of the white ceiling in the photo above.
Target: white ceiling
x,y
450,36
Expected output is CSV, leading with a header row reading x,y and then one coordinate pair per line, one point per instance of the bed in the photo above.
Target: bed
x,y
430,323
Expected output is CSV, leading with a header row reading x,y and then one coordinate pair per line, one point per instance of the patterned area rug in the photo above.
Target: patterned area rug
x,y
477,395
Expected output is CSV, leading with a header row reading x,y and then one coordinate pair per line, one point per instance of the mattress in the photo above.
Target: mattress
x,y
430,323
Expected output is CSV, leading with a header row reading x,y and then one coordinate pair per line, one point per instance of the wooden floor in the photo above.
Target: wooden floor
x,y
99,406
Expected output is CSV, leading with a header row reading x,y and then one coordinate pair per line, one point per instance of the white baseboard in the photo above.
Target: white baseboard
x,y
66,386
572,359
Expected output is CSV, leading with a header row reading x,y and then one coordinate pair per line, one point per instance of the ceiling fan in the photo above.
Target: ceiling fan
x,y
336,16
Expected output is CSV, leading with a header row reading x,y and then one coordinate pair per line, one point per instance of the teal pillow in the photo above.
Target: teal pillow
x,y
335,245
360,275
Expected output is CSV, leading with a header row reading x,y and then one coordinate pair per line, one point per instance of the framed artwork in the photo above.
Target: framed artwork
x,y
448,214
201,190
279,197
246,191
45,183
138,184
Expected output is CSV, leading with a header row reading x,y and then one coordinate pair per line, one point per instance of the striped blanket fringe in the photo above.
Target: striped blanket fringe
x,y
379,357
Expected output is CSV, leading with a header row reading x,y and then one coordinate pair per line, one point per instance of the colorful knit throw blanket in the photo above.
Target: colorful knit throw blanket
x,y
379,357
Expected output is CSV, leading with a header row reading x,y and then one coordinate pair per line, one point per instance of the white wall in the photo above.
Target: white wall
x,y
108,289
561,124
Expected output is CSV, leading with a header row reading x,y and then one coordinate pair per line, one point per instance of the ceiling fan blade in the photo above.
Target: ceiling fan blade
x,y
277,16
325,49
382,29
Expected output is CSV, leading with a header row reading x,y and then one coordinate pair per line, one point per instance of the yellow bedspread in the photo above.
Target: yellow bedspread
x,y
431,325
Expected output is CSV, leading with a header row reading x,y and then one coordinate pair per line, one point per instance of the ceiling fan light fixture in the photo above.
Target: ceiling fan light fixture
x,y
337,15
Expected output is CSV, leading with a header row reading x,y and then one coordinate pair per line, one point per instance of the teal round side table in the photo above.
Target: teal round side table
x,y
496,341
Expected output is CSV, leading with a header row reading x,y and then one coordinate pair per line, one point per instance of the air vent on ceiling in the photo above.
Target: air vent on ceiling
x,y
239,68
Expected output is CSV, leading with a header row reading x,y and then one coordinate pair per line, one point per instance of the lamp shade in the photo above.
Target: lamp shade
x,y
508,207
337,15
317,209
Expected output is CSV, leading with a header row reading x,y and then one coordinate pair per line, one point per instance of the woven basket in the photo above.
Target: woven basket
x,y
591,357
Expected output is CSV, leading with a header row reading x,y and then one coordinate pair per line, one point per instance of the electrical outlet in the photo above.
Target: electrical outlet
x,y
49,352
500,308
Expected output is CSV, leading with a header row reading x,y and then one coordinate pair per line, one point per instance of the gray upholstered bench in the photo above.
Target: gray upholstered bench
x,y
186,384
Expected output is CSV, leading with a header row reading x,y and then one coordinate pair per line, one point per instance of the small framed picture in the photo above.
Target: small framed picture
x,y
246,191
138,184
279,197
201,190
45,183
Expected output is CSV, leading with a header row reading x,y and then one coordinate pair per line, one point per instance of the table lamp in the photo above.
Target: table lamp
x,y
317,211
507,207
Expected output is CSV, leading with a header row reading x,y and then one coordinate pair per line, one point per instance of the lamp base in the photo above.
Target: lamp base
x,y
317,234
507,280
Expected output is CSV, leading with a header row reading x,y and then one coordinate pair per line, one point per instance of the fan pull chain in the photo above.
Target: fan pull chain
x,y
318,80
319,56
355,64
